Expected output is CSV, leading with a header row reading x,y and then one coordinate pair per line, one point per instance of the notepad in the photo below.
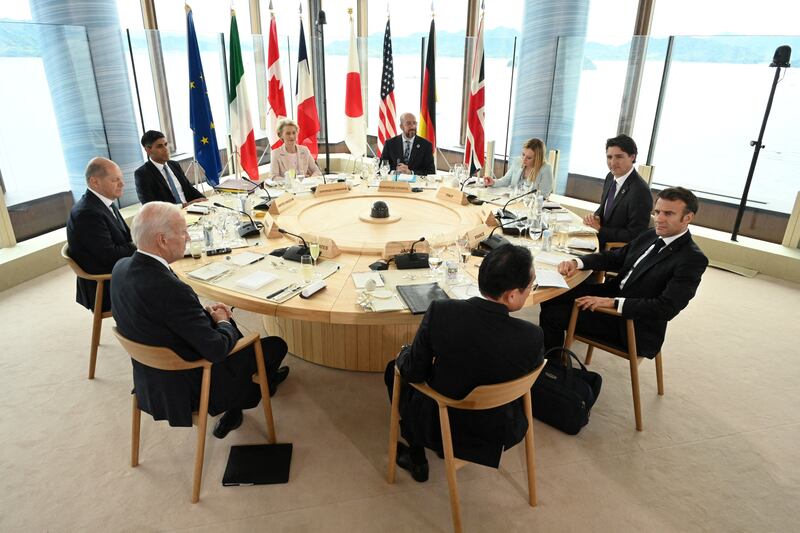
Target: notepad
x,y
209,271
246,258
256,280
550,278
550,259
360,279
581,244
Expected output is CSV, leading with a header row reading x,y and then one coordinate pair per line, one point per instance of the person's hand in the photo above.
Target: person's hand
x,y
219,312
488,181
593,221
402,168
590,303
567,268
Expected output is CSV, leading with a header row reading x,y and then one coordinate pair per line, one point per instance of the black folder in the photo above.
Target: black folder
x,y
258,464
419,297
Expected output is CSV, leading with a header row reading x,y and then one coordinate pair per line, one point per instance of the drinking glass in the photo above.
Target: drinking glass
x,y
307,268
384,169
313,249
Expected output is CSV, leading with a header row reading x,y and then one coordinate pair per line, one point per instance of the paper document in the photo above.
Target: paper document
x,y
209,271
548,258
246,258
581,244
360,279
256,280
550,278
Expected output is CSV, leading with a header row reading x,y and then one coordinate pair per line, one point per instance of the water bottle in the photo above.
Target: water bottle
x,y
208,233
547,238
539,203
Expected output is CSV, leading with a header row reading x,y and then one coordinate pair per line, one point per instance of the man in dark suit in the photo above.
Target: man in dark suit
x,y
460,345
160,179
626,203
152,306
96,232
659,272
407,153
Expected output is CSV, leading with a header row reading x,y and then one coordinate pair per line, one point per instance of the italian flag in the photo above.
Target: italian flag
x,y
242,135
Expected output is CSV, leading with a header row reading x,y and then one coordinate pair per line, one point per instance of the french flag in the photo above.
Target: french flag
x,y
307,116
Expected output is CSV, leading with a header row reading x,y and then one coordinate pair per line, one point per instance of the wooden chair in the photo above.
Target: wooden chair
x,y
599,276
483,397
166,359
631,355
646,172
97,315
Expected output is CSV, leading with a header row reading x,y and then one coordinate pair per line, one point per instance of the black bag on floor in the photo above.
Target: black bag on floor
x,y
563,395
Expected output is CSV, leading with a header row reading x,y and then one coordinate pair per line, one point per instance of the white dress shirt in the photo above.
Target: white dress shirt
x,y
170,175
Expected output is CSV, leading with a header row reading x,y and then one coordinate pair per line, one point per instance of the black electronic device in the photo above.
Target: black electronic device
x,y
249,229
416,189
379,265
218,251
478,252
278,252
295,253
494,241
411,259
504,213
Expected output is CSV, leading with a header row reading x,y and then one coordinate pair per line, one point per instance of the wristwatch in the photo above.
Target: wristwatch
x,y
616,304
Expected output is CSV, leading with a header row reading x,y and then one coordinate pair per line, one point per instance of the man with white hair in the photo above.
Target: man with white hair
x,y
407,153
152,306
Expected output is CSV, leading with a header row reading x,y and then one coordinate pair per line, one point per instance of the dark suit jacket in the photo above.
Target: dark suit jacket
x,y
630,214
421,158
152,187
657,291
460,345
96,242
152,306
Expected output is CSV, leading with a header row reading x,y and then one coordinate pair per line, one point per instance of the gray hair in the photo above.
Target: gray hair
x,y
97,167
153,218
282,123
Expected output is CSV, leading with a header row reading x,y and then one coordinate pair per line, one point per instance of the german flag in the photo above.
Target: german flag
x,y
427,104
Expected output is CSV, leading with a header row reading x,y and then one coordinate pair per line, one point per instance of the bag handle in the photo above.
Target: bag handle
x,y
570,353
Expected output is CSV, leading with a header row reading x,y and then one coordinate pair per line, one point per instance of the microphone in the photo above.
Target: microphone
x,y
494,241
294,253
508,214
251,229
263,206
411,259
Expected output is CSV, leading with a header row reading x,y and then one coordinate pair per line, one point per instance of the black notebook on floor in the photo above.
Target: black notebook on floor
x,y
258,464
419,297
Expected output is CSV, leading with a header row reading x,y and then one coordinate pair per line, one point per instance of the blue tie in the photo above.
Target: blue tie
x,y
171,184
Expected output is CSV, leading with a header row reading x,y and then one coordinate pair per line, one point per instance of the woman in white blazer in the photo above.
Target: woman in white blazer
x,y
290,155
531,167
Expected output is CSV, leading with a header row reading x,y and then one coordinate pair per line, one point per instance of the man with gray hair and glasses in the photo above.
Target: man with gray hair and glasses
x,y
152,306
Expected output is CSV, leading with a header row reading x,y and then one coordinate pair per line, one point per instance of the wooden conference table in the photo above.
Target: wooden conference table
x,y
330,328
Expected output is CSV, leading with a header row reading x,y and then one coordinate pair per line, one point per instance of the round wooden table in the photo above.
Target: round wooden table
x,y
330,328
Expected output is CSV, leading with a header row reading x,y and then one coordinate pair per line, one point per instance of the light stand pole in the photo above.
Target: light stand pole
x,y
780,60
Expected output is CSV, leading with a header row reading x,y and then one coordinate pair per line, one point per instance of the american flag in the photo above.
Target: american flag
x,y
387,117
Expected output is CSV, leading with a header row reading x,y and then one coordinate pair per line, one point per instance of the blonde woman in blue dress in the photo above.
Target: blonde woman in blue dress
x,y
530,167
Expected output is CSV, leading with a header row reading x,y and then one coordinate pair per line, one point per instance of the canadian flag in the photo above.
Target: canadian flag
x,y
307,117
355,136
275,96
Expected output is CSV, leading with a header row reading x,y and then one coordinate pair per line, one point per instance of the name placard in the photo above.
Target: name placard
x,y
281,203
477,234
270,226
448,194
393,248
327,246
331,188
394,186
488,218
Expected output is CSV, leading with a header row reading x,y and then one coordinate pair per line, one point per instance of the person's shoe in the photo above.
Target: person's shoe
x,y
418,470
277,378
228,422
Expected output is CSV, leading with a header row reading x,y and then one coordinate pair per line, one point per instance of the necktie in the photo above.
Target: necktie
x,y
171,183
118,216
647,257
610,198
407,152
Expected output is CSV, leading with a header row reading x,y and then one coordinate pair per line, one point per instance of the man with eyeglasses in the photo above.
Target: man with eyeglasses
x,y
162,180
659,272
460,345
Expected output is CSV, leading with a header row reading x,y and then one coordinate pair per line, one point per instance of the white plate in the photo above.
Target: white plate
x,y
382,293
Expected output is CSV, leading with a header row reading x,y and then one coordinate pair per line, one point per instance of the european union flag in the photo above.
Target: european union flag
x,y
200,120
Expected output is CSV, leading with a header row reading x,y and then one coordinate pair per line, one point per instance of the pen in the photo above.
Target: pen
x,y
274,294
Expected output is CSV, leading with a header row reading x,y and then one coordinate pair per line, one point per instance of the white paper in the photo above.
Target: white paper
x,y
564,217
581,244
209,271
197,209
550,278
551,205
246,258
256,280
549,258
360,279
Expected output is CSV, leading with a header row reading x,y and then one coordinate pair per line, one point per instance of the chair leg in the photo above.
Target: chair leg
x,y
660,374
530,453
637,406
265,399
589,351
202,421
97,324
136,424
394,426
450,467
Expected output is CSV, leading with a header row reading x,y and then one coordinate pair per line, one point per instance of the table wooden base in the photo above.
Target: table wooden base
x,y
366,348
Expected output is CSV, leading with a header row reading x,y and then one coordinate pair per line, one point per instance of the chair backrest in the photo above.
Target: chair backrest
x,y
81,273
646,172
487,396
157,357
552,158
